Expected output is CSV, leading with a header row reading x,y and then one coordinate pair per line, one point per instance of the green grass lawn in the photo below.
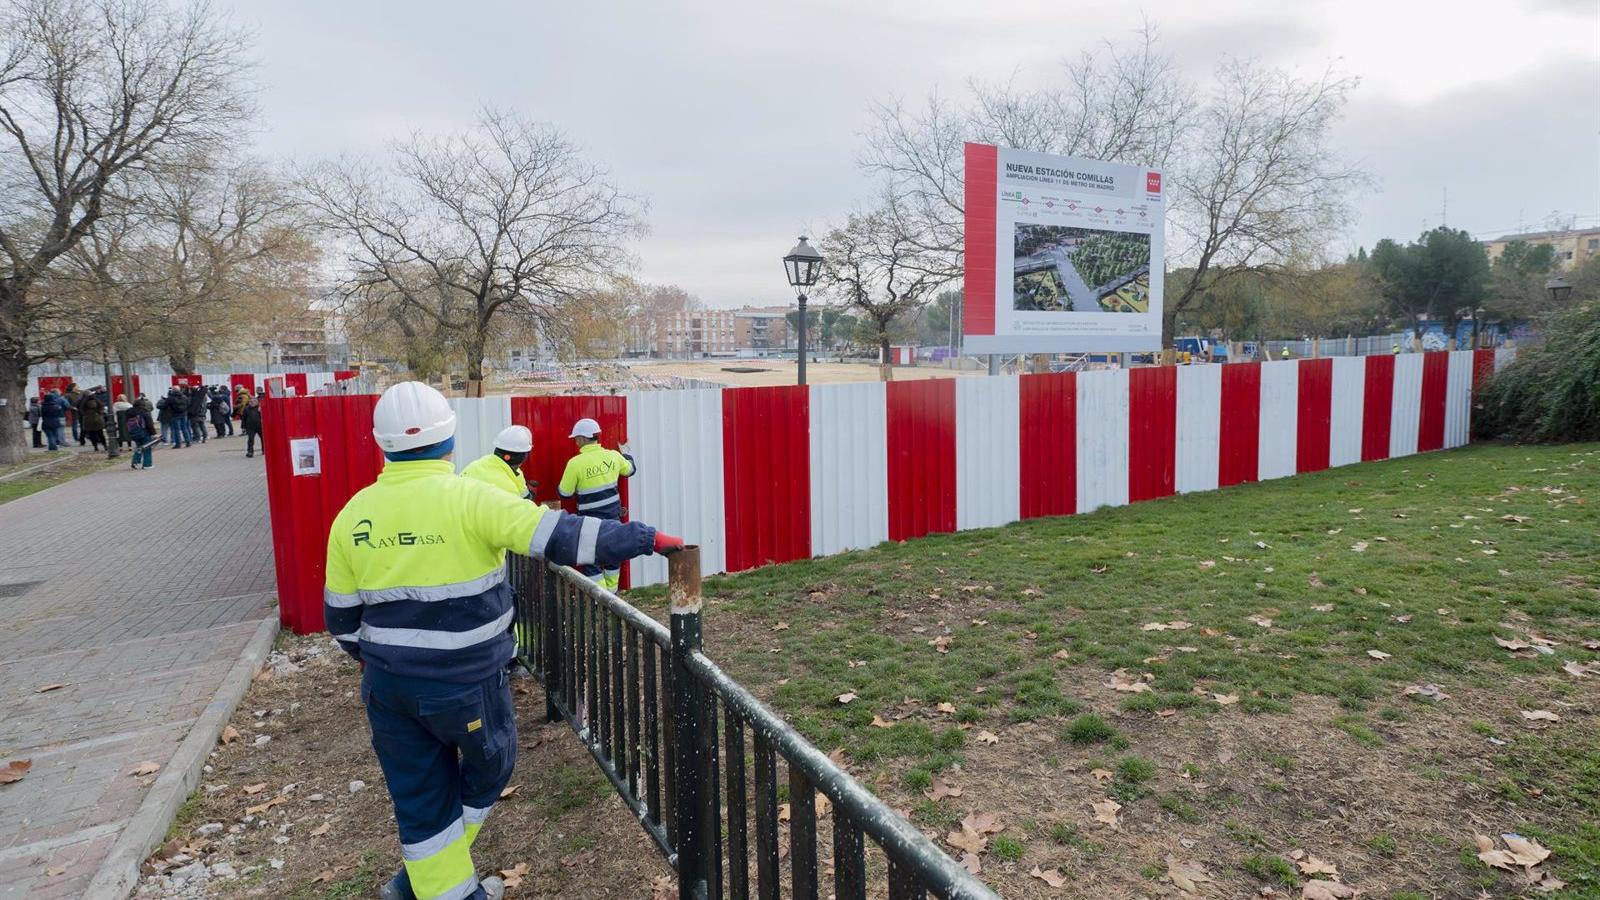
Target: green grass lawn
x,y
1283,620
66,470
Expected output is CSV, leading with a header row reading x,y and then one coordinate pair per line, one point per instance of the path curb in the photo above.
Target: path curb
x,y
119,871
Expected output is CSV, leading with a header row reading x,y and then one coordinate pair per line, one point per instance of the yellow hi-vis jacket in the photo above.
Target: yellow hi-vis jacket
x,y
492,470
592,477
416,577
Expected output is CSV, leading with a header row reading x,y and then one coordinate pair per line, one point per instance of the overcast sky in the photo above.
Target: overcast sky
x,y
740,122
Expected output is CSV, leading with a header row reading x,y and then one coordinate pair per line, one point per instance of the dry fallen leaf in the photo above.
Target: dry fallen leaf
x,y
1054,878
1540,715
1099,569
1261,620
55,871
263,807
1430,691
1186,875
1378,654
1060,654
1573,668
1526,853
146,768
982,823
1313,866
781,626
1106,811
47,688
514,875
940,790
325,875
255,788
1359,546
988,737
509,790
946,708
322,829
229,735
1326,890
971,863
14,770
941,643
1101,774
1121,681
846,697
967,840
880,722
1322,607
1513,644
1225,699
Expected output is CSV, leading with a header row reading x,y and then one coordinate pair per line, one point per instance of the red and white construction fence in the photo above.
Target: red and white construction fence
x,y
304,384
772,474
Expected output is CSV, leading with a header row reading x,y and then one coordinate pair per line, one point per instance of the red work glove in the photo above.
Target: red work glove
x,y
667,544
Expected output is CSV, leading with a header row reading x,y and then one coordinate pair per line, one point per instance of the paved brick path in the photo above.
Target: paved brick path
x,y
137,591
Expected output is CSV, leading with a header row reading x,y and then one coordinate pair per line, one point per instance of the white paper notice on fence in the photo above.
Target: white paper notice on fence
x,y
305,456
1076,247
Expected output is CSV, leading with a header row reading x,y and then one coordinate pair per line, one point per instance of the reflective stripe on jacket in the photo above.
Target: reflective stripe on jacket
x,y
416,578
592,478
493,471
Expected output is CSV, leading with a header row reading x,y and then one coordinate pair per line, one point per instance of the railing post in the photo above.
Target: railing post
x,y
683,580
550,618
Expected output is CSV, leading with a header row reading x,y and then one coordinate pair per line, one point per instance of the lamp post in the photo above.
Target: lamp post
x,y
266,350
1559,289
803,265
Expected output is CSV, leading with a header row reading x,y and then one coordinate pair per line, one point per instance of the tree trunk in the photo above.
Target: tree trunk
x,y
13,404
475,344
182,361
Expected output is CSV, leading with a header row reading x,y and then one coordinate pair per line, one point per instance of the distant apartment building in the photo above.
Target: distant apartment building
x,y
691,334
309,340
1573,246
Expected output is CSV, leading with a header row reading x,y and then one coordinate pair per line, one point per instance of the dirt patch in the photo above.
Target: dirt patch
x,y
317,838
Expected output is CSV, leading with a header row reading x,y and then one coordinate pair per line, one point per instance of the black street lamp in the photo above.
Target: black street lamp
x,y
1559,289
803,266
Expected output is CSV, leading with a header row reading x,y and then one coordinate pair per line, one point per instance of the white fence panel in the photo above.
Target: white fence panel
x,y
1199,424
1349,395
1405,422
1280,419
1458,399
679,487
478,420
988,452
849,467
1102,439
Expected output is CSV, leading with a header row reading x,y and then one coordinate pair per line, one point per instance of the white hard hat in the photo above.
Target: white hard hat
x,y
585,428
411,415
515,438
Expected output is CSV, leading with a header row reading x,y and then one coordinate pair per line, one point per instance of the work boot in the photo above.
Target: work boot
x,y
493,887
398,887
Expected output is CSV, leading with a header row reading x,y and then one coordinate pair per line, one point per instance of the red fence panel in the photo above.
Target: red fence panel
x,y
1048,419
1482,368
247,380
303,506
118,387
922,457
1435,379
297,382
343,374
1239,431
1314,415
48,383
766,471
551,419
1377,407
1152,432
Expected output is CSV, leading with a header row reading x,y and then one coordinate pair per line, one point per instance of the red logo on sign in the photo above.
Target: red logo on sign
x,y
1152,182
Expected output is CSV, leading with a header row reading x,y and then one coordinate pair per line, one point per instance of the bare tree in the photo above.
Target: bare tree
x,y
1254,183
1123,103
873,265
1258,185
90,89
509,218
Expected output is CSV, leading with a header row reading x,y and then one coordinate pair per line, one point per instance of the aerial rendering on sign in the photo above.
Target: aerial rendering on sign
x,y
1065,269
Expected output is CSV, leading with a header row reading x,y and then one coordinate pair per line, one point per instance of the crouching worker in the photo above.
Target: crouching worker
x,y
416,591
503,467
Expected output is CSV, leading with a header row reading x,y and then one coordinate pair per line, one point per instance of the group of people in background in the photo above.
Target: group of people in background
x,y
178,419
